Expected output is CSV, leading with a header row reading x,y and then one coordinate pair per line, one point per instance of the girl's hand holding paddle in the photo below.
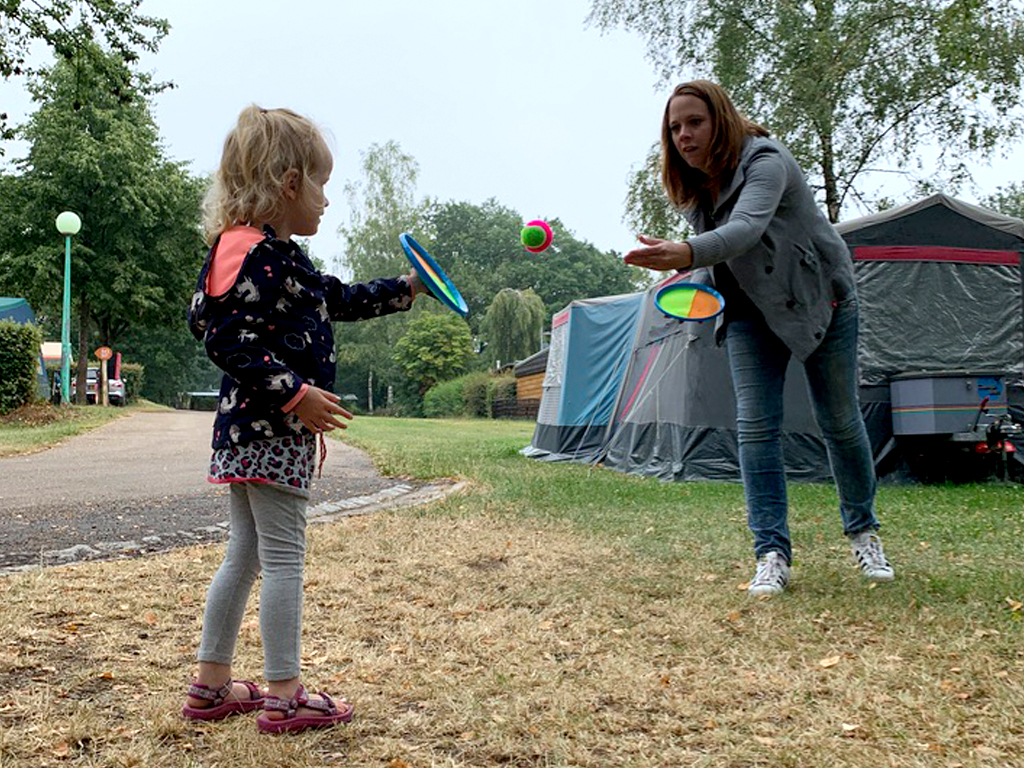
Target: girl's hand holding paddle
x,y
661,255
417,284
319,410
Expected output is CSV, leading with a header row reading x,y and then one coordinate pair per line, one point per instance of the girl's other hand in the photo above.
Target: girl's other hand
x,y
319,411
660,255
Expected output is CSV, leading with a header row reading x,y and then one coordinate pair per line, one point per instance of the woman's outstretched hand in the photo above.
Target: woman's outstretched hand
x,y
319,411
660,255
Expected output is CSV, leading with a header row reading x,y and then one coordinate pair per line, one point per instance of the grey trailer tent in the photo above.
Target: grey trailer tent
x,y
940,288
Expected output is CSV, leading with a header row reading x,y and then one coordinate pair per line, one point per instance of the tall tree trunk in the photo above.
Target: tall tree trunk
x,y
828,173
81,374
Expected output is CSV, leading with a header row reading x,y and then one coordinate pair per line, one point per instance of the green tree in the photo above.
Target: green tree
x,y
99,154
382,205
513,325
1008,200
435,347
479,247
71,29
849,86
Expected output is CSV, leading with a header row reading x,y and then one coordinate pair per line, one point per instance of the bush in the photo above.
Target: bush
x,y
134,377
470,395
475,394
444,400
19,363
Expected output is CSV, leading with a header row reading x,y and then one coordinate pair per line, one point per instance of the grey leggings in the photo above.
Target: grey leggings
x,y
268,530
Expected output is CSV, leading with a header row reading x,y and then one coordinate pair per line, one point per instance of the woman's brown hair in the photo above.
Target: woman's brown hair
x,y
729,128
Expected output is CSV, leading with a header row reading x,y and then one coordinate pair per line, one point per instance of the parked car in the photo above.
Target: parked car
x,y
115,387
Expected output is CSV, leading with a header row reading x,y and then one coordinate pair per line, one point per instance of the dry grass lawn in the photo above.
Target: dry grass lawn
x,y
490,640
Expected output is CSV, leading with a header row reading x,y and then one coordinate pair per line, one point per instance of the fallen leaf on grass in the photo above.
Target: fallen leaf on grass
x,y
849,727
1015,605
830,661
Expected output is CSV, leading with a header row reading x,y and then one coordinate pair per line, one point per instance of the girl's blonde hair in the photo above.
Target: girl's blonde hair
x,y
248,187
729,129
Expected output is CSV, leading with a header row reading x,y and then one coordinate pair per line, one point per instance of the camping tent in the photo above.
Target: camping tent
x,y
940,288
590,345
20,311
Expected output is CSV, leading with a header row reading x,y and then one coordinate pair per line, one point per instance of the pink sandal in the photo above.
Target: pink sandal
x,y
332,714
220,706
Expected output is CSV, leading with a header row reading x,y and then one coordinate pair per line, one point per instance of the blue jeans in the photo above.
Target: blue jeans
x,y
268,534
758,360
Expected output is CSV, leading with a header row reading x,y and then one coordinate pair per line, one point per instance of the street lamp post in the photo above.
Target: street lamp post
x,y
68,224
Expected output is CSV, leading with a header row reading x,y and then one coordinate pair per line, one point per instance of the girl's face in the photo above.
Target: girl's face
x,y
304,206
689,124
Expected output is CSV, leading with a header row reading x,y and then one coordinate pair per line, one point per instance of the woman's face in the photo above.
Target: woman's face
x,y
689,124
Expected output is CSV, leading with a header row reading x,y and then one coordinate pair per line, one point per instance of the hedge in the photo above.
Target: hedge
x,y
134,376
471,395
19,364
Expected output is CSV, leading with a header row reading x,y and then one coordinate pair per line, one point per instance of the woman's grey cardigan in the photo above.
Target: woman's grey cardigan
x,y
784,252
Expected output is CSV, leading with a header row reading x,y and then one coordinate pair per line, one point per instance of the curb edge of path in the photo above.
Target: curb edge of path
x,y
392,497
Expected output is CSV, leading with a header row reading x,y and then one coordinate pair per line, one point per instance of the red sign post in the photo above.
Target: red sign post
x,y
104,354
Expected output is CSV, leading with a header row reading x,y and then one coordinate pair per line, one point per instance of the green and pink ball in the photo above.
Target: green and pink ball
x,y
536,236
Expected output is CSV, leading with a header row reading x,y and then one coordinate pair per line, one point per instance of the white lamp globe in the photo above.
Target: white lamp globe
x,y
68,223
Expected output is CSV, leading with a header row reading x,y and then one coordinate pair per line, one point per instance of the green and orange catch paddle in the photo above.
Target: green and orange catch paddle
x,y
690,301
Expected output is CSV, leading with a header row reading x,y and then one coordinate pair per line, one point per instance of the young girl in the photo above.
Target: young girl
x,y
789,290
264,313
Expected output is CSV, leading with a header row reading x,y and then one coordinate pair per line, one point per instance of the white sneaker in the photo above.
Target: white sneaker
x,y
867,549
771,577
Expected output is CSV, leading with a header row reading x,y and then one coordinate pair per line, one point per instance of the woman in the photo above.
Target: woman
x,y
788,283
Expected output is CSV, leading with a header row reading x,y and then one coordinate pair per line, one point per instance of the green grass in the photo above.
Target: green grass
x,y
957,547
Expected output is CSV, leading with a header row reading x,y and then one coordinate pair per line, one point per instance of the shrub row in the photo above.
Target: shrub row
x,y
471,395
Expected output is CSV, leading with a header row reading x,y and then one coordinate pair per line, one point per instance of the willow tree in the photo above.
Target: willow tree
x,y
851,86
513,325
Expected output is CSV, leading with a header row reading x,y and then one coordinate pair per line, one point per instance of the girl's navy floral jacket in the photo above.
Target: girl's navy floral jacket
x,y
264,313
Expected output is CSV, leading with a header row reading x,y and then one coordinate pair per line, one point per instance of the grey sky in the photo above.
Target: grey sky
x,y
515,100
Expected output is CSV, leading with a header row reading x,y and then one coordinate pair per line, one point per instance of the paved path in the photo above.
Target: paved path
x,y
138,485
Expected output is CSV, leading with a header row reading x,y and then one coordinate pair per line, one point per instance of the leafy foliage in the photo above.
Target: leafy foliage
x,y
513,325
382,205
99,154
480,249
1008,200
19,360
445,399
72,29
848,85
434,348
